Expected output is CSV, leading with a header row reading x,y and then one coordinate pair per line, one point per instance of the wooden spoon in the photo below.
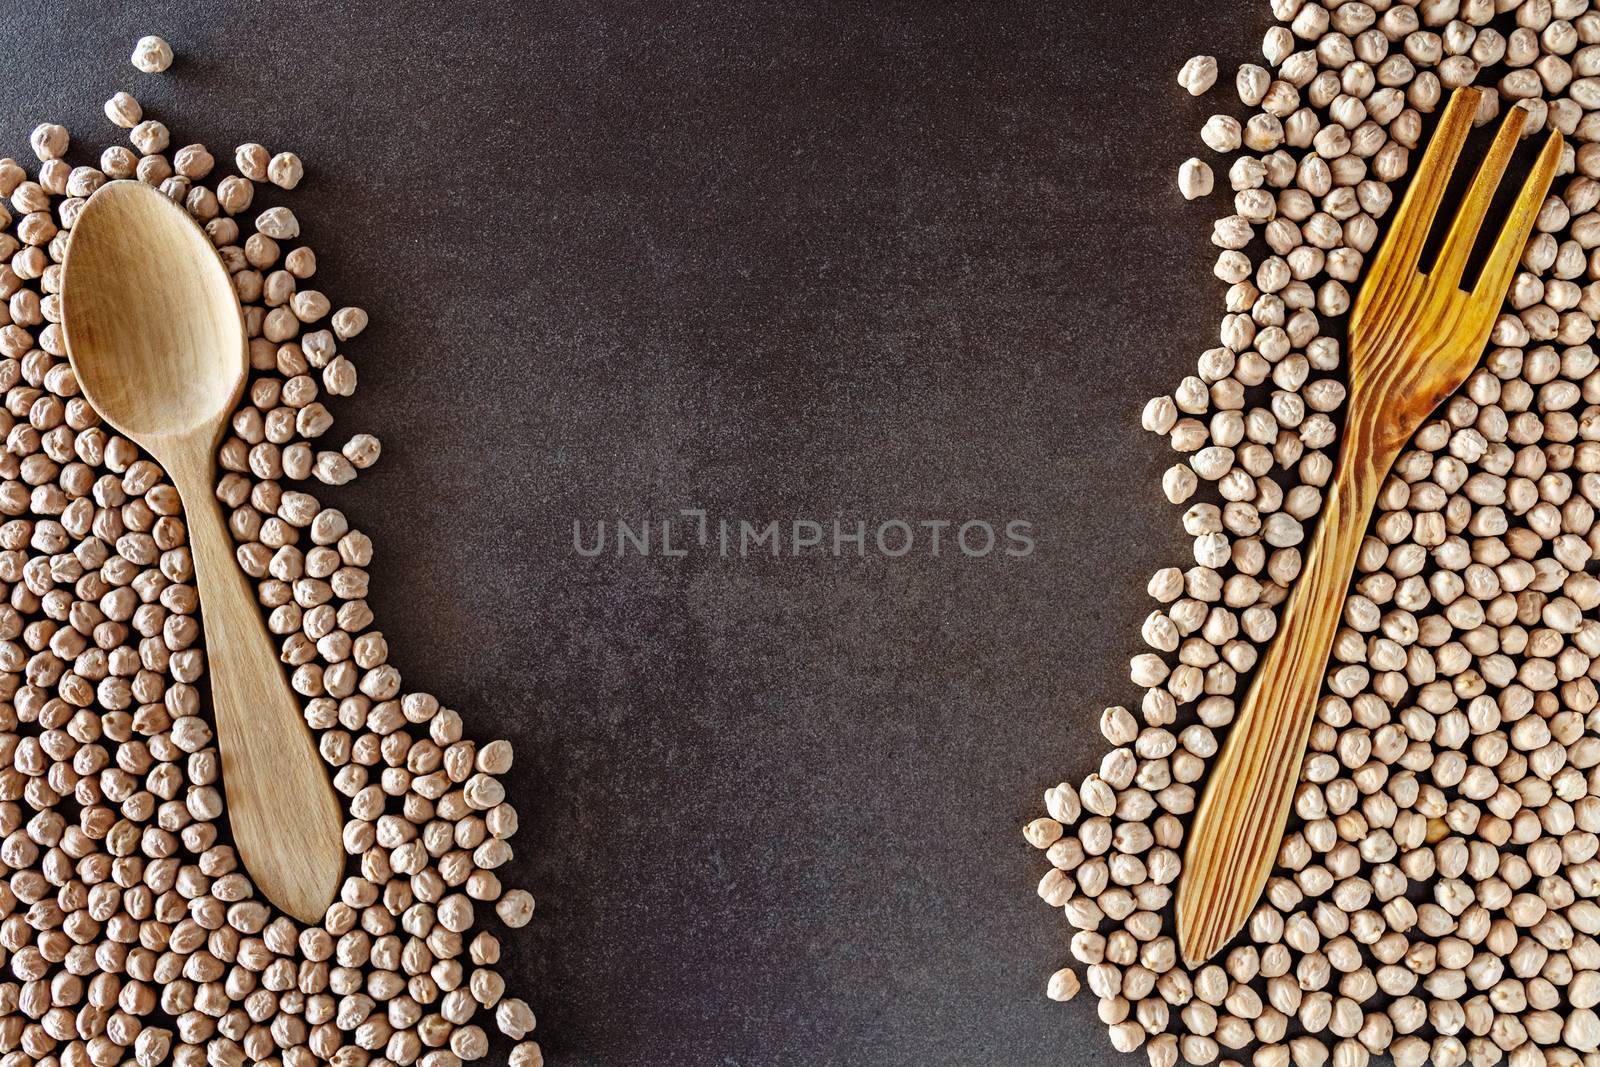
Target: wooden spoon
x,y
157,339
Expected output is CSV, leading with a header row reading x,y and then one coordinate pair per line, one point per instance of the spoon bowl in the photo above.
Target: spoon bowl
x,y
156,356
157,341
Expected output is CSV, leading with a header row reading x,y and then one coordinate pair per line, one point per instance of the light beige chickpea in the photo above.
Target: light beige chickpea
x,y
49,141
301,262
309,305
123,110
285,170
150,137
192,161
234,194
279,223
152,54
251,161
515,1019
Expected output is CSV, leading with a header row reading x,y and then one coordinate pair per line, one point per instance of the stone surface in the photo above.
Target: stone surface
x,y
777,260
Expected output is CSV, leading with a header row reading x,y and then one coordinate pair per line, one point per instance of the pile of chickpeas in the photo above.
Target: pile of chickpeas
x,y
130,933
1437,894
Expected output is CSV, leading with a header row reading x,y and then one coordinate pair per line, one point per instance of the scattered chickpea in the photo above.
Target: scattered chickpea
x,y
1063,985
152,55
123,110
192,161
1195,179
278,223
302,263
285,170
150,137
515,908
251,160
526,1054
234,194
514,1018
362,451
309,305
1198,74
49,141
118,162
1222,133
348,321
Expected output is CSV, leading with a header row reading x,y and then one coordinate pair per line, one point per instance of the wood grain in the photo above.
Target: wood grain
x,y
156,337
1414,338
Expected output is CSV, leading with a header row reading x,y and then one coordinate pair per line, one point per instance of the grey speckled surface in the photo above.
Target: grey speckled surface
x,y
776,259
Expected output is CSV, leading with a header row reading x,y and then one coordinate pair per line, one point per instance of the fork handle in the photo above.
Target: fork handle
x,y
1239,823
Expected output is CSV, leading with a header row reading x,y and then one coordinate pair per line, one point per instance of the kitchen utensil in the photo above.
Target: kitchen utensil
x,y
157,340
1414,337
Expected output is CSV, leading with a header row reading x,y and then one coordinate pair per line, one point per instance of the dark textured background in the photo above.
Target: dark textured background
x,y
776,259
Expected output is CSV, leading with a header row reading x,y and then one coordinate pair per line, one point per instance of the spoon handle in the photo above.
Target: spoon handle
x,y
281,807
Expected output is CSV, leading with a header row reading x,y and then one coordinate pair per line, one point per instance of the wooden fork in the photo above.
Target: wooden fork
x,y
1414,337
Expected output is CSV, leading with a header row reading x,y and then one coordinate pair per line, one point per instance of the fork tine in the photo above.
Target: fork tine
x,y
1496,276
1469,218
1411,224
